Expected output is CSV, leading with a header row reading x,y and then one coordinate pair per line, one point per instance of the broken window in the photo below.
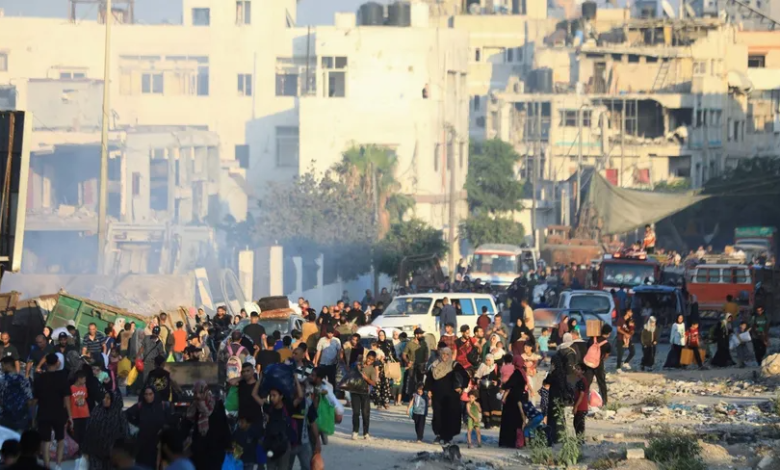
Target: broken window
x,y
287,146
569,117
651,60
335,76
633,59
700,67
481,122
3,61
152,83
244,84
754,61
201,16
243,12
286,84
296,76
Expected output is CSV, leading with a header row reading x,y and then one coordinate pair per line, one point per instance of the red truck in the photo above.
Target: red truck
x,y
628,270
711,283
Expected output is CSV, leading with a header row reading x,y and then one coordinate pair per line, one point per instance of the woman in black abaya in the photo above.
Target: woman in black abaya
x,y
446,379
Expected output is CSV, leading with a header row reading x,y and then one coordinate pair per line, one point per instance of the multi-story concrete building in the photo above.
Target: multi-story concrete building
x,y
401,87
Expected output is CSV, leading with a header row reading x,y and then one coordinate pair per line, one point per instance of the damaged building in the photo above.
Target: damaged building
x,y
163,188
645,102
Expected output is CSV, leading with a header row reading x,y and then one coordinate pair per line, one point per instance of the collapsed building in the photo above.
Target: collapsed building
x,y
645,102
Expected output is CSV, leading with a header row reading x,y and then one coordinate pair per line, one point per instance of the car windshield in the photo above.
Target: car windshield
x,y
273,325
409,306
593,303
484,263
630,275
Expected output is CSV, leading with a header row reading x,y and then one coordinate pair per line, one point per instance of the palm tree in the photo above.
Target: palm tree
x,y
365,165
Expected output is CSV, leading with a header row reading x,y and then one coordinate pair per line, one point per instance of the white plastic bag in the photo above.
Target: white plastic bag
x,y
733,342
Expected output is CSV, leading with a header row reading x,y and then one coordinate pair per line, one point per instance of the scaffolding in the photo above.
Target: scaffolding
x,y
123,14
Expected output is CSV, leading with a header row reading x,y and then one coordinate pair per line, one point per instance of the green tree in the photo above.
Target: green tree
x,y
363,166
483,228
309,216
409,238
494,194
491,183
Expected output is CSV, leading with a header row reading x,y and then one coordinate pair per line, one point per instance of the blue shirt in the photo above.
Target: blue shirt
x,y
420,405
543,343
181,464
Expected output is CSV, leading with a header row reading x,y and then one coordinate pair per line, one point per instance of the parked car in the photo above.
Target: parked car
x,y
551,317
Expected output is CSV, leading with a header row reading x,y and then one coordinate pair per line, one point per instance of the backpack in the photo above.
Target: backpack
x,y
593,358
279,434
237,352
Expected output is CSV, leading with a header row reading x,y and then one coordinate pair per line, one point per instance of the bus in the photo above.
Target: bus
x,y
501,264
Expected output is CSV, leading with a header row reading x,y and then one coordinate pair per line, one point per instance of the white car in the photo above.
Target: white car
x,y
598,302
408,312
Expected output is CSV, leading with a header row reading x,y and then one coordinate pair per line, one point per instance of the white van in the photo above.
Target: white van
x,y
407,312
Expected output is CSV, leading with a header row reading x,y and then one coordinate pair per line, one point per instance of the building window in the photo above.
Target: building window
x,y
136,184
335,76
72,75
242,156
286,84
633,59
481,122
243,12
754,61
700,67
287,146
569,118
436,150
477,55
510,54
244,84
201,16
152,83
3,62
476,103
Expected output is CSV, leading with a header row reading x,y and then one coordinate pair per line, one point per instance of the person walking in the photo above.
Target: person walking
x,y
474,422
677,341
489,381
151,348
149,415
418,410
52,392
624,340
9,350
514,393
329,352
106,426
581,402
721,336
693,342
79,397
599,372
759,333
650,335
210,431
359,397
416,355
445,381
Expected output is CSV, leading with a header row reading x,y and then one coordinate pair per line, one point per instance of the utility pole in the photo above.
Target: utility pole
x,y
103,202
579,157
622,143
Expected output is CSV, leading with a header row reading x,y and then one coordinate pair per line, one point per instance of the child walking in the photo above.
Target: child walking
x,y
475,418
581,402
544,344
418,410
79,407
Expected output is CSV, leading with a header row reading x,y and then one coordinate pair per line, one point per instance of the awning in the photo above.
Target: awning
x,y
623,210
740,81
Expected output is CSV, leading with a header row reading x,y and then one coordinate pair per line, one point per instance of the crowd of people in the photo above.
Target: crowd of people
x,y
492,375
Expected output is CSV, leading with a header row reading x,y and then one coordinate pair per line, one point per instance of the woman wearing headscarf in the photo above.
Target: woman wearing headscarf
x,y
210,433
721,334
563,328
149,415
560,393
387,346
650,336
520,334
515,392
446,379
107,423
489,381
677,340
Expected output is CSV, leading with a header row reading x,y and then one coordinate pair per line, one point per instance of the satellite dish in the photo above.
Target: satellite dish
x,y
667,8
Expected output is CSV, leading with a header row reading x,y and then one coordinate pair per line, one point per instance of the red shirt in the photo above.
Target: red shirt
x,y
78,401
464,348
483,322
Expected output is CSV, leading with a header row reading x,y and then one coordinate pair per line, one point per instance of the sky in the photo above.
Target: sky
x,y
310,12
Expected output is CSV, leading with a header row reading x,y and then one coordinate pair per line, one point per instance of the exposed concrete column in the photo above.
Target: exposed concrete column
x,y
276,269
246,271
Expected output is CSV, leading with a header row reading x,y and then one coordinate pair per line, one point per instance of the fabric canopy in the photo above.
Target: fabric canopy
x,y
623,210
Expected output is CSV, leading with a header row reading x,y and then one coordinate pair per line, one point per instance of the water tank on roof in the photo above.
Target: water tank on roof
x,y
589,10
399,14
372,14
544,80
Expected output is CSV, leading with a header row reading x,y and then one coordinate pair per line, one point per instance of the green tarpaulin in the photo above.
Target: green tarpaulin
x,y
622,210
